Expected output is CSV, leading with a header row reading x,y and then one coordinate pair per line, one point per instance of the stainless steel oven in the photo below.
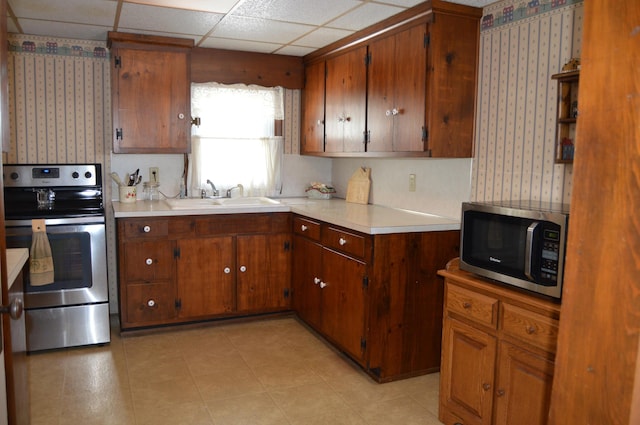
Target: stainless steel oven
x,y
73,310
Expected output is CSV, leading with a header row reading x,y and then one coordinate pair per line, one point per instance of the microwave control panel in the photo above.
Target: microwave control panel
x,y
550,256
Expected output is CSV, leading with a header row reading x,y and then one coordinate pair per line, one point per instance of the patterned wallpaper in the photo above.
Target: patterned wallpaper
x,y
59,92
521,45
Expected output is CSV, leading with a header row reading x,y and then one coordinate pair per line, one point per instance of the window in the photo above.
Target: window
x,y
235,142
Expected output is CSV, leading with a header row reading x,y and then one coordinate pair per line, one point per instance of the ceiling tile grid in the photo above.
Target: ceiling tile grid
x,y
290,27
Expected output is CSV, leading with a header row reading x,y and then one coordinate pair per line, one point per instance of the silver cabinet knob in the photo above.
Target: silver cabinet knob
x,y
303,228
181,116
243,269
148,261
151,303
316,280
227,270
342,241
14,309
146,229
322,285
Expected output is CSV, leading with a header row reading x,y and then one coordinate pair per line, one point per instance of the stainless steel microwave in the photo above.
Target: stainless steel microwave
x,y
519,243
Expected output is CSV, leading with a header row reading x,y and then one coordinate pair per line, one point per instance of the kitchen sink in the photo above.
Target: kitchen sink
x,y
208,203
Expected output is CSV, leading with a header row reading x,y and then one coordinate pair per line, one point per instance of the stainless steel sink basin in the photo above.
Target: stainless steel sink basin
x,y
208,203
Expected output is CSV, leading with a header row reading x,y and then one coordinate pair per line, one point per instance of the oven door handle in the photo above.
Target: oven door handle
x,y
528,250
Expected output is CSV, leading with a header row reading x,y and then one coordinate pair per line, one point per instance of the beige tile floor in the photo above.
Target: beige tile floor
x,y
271,372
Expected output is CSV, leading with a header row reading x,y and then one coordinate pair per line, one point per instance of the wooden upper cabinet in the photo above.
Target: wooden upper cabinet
x,y
396,90
150,93
346,96
313,109
451,84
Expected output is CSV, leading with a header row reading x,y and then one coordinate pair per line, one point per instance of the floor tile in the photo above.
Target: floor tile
x,y
270,372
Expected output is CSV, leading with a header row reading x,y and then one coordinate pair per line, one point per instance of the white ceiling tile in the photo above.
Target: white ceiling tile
x,y
312,12
236,27
217,6
405,3
362,17
195,38
98,12
164,19
322,36
295,50
242,45
64,29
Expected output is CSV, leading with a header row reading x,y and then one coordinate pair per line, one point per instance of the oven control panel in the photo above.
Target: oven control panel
x,y
34,175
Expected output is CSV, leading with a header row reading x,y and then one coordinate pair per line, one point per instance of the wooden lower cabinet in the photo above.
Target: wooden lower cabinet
x,y
498,350
189,268
375,297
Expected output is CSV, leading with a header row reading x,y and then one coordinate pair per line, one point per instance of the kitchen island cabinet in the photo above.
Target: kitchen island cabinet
x,y
498,353
150,93
188,268
376,297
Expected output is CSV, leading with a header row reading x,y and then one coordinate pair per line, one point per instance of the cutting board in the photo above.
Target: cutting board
x,y
359,184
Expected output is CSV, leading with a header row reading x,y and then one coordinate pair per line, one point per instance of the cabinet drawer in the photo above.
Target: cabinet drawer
x,y
146,228
150,302
147,261
306,227
342,240
530,327
476,307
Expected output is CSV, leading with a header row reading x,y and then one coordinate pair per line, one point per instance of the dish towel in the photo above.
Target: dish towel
x,y
41,260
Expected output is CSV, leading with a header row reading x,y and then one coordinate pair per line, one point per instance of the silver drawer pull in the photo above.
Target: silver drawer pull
x,y
316,280
148,261
243,269
146,229
151,303
303,228
227,270
322,285
342,241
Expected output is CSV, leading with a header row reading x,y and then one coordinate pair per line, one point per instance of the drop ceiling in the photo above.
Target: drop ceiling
x,y
287,27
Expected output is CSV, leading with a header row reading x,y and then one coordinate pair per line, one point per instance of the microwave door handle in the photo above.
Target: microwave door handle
x,y
528,251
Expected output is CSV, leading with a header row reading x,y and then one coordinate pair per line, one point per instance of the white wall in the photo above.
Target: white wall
x,y
441,184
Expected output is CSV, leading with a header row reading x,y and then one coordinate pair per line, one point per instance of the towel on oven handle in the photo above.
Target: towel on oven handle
x,y
41,260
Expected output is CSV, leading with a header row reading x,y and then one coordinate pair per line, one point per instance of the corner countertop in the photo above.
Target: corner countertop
x,y
370,219
16,259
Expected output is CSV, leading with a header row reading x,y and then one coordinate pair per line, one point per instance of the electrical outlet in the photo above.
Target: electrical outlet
x,y
412,182
154,174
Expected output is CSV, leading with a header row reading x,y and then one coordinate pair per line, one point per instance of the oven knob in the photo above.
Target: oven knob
x,y
14,176
88,174
75,175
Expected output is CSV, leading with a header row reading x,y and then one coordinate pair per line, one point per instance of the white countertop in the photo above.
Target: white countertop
x,y
16,259
370,219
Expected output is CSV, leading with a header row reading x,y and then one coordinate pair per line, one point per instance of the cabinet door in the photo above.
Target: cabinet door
x,y
205,276
307,272
149,304
313,109
523,390
151,101
344,301
263,272
346,93
147,261
396,92
467,372
451,87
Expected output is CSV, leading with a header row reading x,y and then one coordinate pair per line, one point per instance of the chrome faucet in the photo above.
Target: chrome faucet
x,y
239,187
214,191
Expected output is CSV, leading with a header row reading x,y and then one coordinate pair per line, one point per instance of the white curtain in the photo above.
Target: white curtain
x,y
234,143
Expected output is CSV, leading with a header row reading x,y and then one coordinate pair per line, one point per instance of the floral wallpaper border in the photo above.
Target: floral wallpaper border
x,y
521,10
